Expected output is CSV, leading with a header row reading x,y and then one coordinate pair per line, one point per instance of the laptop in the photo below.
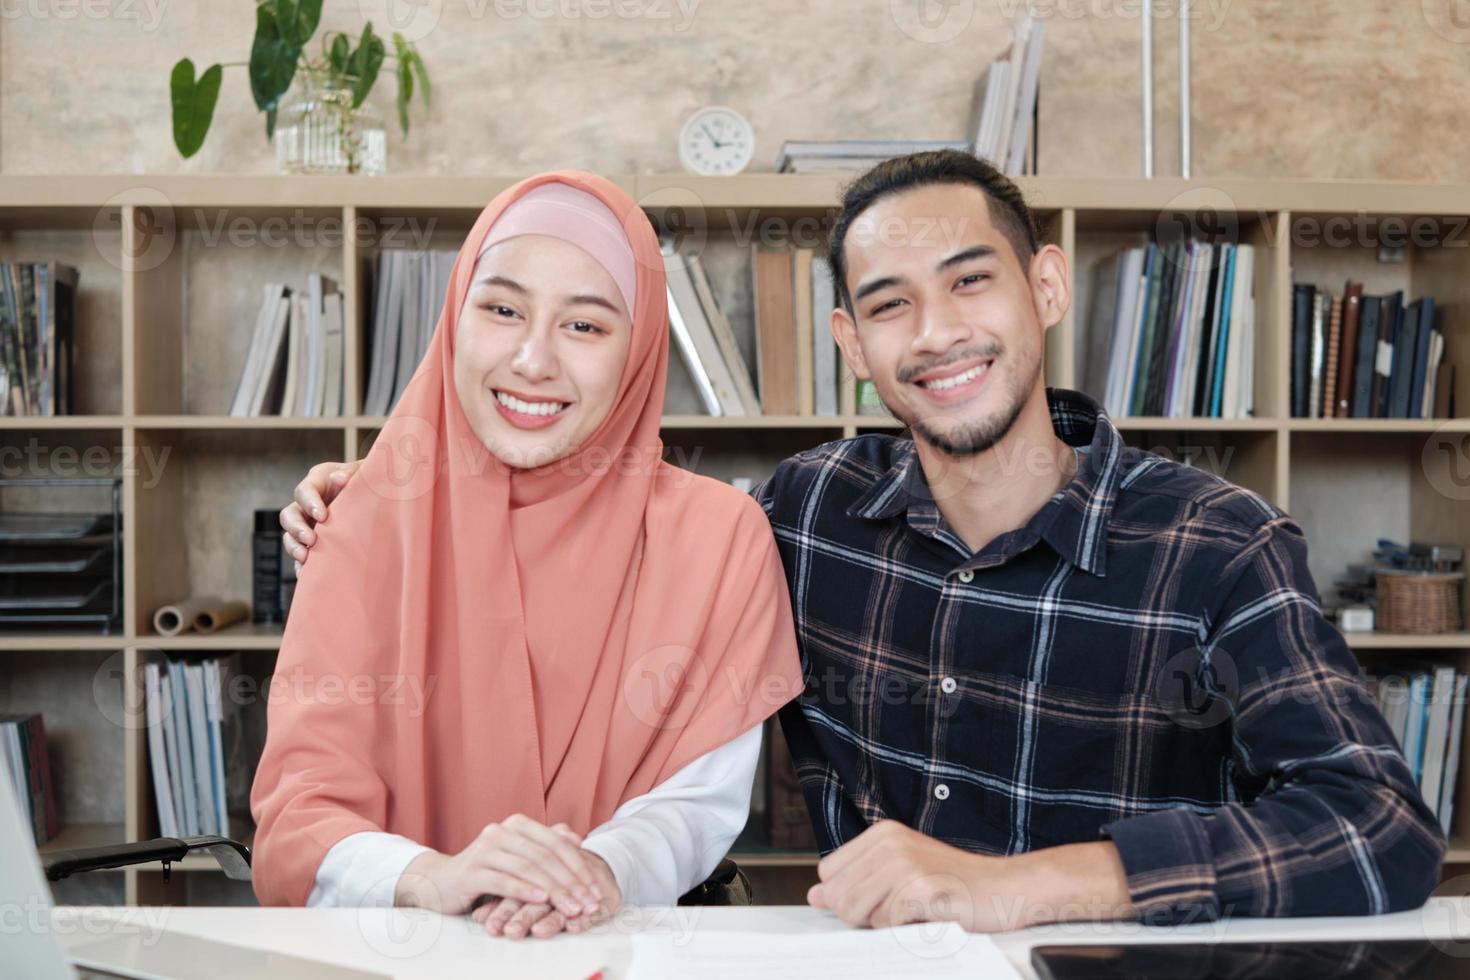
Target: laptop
x,y
38,952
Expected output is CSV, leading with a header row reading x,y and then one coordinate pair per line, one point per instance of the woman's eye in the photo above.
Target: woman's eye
x,y
498,309
577,325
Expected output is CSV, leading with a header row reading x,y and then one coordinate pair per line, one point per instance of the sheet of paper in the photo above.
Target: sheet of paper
x,y
933,951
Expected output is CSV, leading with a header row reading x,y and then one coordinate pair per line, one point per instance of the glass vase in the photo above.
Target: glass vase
x,y
318,131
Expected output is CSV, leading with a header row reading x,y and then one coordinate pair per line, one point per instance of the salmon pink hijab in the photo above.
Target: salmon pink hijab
x,y
470,641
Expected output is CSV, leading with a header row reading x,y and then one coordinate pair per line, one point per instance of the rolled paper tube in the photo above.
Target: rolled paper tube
x,y
218,615
213,611
174,618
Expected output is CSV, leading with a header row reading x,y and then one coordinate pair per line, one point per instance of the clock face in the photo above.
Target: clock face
x,y
716,142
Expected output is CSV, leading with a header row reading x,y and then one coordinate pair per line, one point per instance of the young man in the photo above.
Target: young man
x,y
1048,676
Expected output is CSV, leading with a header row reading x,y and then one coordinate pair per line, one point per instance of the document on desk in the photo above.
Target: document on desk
x,y
934,951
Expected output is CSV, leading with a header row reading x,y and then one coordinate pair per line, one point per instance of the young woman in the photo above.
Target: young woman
x,y
527,664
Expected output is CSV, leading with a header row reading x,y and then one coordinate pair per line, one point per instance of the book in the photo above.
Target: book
x,y
775,329
854,153
1025,114
824,354
724,336
158,754
1352,312
27,760
1334,351
1362,403
695,342
801,288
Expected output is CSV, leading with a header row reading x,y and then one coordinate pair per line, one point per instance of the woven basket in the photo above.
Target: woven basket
x,y
1419,602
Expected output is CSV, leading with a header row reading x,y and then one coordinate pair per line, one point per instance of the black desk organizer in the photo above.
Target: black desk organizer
x,y
62,568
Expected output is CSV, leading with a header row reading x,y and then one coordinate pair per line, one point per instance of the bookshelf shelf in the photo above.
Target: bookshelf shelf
x,y
1408,641
775,859
163,336
61,641
77,835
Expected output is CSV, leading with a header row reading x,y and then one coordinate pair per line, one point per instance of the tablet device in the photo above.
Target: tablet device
x,y
1415,959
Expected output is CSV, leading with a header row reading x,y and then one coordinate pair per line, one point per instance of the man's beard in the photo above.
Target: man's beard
x,y
978,437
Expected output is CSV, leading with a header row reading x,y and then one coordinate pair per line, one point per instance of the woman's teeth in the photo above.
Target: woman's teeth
x,y
529,408
958,379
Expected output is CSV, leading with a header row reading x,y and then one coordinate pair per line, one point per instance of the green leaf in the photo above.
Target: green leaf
x,y
270,122
423,73
193,104
364,64
407,54
298,19
405,92
272,60
340,53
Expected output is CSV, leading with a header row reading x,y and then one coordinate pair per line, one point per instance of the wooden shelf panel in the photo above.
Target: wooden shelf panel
x,y
1162,423
62,641
72,200
1379,425
77,835
1408,641
775,859
241,636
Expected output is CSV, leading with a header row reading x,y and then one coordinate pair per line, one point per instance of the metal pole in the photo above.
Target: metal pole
x,y
1148,89
1185,154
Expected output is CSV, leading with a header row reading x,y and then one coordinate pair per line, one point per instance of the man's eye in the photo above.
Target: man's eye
x,y
977,277
883,307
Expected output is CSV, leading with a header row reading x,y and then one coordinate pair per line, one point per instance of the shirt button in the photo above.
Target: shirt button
x,y
941,792
967,576
948,685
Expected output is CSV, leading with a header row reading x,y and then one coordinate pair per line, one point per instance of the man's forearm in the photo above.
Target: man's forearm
x,y
1071,882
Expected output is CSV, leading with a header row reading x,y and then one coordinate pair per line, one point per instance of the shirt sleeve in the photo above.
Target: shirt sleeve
x,y
362,870
1329,819
658,845
665,842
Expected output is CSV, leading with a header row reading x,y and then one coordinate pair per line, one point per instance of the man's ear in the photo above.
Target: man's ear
x,y
1051,285
844,331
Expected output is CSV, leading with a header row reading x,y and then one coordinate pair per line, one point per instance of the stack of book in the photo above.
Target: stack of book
x,y
1172,331
1425,708
796,355
203,745
28,765
38,303
294,366
408,296
813,156
1357,356
1003,112
705,342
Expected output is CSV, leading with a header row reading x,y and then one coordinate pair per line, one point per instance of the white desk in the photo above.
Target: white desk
x,y
415,945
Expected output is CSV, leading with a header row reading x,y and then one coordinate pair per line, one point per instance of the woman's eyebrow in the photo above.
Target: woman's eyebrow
x,y
594,300
493,280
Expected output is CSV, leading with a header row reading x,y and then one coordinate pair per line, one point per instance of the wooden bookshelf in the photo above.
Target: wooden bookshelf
x,y
169,291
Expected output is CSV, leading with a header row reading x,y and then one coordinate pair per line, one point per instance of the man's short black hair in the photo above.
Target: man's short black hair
x,y
1008,208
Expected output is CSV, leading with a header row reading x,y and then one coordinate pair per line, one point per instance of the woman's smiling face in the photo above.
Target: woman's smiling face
x,y
539,349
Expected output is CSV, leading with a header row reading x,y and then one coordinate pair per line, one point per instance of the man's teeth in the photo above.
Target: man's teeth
x,y
529,408
958,379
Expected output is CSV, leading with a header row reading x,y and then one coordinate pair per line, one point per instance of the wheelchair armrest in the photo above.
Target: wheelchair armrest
x,y
233,856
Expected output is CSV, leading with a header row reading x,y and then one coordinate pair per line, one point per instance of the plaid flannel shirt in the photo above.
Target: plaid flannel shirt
x,y
1144,661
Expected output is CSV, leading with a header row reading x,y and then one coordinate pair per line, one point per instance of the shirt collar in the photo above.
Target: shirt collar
x,y
1073,522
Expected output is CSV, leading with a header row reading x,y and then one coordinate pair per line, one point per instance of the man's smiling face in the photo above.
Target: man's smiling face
x,y
946,320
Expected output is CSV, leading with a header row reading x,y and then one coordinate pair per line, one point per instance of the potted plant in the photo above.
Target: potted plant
x,y
327,128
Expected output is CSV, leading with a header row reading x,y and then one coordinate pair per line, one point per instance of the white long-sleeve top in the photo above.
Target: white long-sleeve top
x,y
658,845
